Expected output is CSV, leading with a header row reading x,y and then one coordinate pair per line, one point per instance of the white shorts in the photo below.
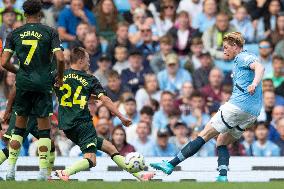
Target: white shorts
x,y
232,119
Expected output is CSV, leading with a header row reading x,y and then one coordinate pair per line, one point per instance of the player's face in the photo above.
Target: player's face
x,y
229,51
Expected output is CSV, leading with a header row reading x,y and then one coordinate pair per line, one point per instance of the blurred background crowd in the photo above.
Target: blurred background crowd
x,y
161,62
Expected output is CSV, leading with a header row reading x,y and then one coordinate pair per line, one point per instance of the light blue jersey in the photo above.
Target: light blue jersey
x,y
242,78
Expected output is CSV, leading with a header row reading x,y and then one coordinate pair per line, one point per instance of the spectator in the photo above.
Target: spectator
x,y
267,85
52,12
193,7
183,33
265,55
279,48
278,34
173,76
183,101
157,62
134,32
81,31
148,46
161,117
196,48
201,75
146,115
236,149
277,114
207,18
93,47
180,137
130,111
107,18
9,18
114,87
277,75
262,146
149,91
134,4
243,24
9,5
119,141
120,40
280,141
70,18
7,84
166,19
248,141
257,8
101,113
268,104
120,54
229,6
173,117
143,143
162,147
213,36
104,128
101,74
267,23
212,91
133,76
197,117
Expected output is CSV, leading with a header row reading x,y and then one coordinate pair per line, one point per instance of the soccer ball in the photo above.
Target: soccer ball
x,y
134,162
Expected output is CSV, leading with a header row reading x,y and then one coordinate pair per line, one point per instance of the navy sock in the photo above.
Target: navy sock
x,y
223,160
189,150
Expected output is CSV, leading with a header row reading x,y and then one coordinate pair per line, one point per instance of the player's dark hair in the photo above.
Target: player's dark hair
x,y
77,53
32,7
147,110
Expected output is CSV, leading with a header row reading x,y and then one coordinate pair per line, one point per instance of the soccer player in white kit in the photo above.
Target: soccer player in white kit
x,y
236,115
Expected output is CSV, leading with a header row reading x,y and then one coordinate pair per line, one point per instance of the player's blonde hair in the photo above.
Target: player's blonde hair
x,y
234,38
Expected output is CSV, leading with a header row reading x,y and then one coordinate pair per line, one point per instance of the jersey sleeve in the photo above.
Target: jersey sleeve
x,y
248,59
9,45
97,88
55,42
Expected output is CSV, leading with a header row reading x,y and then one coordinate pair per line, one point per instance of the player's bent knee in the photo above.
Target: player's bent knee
x,y
15,144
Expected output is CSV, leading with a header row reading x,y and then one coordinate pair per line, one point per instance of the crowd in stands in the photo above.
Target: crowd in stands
x,y
161,62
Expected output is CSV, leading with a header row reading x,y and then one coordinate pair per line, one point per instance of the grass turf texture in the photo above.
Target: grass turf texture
x,y
136,185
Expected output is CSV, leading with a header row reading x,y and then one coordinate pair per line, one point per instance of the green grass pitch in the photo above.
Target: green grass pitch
x,y
136,185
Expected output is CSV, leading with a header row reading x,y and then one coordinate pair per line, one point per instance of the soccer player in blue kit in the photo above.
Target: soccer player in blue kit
x,y
236,115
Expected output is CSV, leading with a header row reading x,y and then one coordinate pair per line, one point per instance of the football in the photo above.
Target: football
x,y
134,162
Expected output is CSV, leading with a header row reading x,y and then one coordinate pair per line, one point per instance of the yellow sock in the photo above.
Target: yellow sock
x,y
14,153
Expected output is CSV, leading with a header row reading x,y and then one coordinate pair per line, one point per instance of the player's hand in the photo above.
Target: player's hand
x,y
126,122
7,116
58,82
251,89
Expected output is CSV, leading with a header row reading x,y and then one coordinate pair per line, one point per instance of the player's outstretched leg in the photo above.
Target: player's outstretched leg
x,y
187,151
89,161
110,149
223,163
14,149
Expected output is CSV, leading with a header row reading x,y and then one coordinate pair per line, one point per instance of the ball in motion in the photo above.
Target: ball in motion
x,y
134,162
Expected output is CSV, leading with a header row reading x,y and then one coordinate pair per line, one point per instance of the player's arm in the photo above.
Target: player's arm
x,y
7,54
259,72
60,67
9,106
5,62
111,106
